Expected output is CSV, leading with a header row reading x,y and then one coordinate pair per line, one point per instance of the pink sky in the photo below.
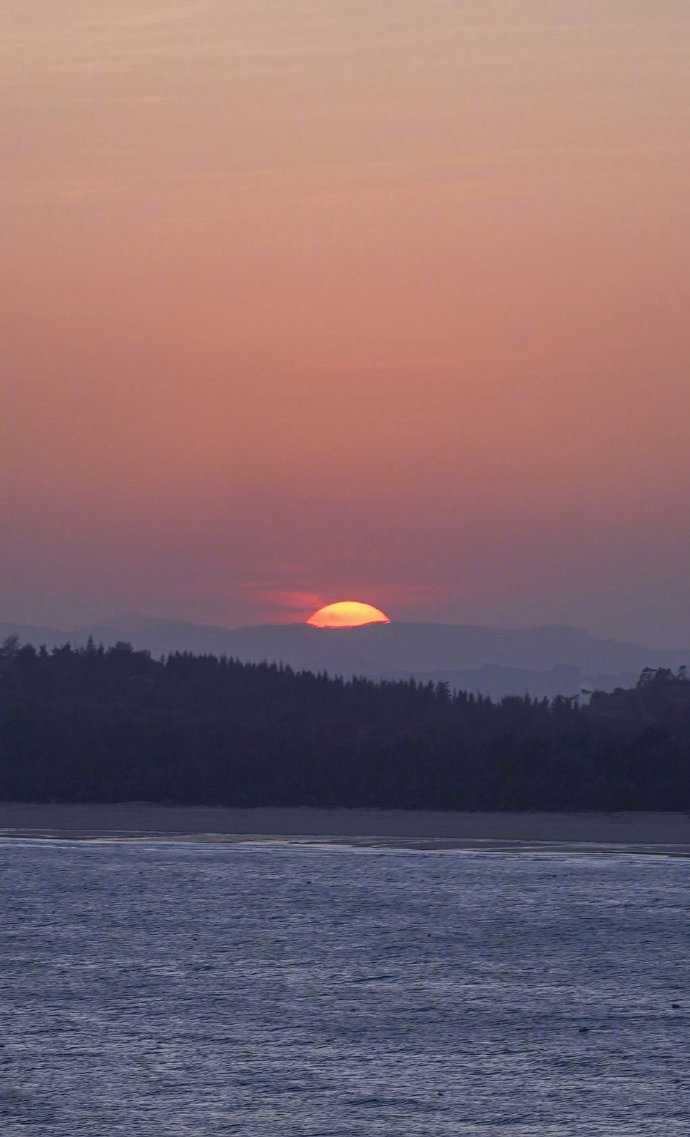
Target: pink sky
x,y
347,299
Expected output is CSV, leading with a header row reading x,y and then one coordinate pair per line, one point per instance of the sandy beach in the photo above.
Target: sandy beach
x,y
615,832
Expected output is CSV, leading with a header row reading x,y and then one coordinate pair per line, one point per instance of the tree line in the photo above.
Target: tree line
x,y
104,725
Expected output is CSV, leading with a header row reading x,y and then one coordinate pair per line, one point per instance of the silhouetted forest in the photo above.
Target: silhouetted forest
x,y
95,725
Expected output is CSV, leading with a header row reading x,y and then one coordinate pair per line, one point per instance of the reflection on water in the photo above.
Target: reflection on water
x,y
204,989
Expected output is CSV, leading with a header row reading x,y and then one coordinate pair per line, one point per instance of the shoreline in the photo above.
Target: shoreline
x,y
661,833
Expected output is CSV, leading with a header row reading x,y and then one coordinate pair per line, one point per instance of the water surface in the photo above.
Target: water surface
x,y
203,989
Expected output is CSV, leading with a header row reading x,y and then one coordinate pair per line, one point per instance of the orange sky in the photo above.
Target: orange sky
x,y
304,301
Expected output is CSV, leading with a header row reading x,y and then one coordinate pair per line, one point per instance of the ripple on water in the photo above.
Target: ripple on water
x,y
204,989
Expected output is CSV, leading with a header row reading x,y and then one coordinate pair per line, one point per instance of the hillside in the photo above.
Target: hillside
x,y
541,661
118,725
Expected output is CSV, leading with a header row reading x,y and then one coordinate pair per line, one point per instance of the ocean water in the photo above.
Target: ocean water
x,y
191,988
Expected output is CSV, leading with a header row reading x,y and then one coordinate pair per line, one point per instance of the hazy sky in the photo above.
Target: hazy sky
x,y
387,301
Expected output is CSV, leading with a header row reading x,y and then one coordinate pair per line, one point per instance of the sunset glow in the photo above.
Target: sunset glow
x,y
347,614
390,297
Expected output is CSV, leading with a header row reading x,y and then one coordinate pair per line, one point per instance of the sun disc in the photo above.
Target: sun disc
x,y
347,614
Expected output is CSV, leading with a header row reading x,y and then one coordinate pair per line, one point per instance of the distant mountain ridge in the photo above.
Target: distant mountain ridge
x,y
541,661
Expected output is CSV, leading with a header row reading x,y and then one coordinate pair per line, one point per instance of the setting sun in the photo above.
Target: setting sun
x,y
347,614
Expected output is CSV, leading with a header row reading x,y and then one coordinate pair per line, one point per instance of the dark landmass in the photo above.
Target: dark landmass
x,y
540,661
656,833
117,725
